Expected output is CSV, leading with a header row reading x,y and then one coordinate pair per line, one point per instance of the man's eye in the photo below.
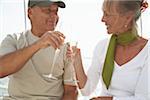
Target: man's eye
x,y
48,10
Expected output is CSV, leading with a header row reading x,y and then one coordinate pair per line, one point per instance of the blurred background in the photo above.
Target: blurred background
x,y
79,21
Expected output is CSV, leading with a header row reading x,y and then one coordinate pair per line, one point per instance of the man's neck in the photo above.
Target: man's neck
x,y
37,32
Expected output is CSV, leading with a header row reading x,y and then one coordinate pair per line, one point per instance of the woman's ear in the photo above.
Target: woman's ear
x,y
130,17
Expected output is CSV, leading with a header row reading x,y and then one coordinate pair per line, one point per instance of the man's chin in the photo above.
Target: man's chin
x,y
50,29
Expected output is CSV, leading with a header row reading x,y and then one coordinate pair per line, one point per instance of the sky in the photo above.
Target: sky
x,y
79,21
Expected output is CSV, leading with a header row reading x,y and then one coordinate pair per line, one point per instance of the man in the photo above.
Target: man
x,y
27,57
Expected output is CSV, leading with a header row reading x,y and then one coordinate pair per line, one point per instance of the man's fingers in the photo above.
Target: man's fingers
x,y
60,34
55,39
58,38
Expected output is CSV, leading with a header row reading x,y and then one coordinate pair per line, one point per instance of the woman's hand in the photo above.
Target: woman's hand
x,y
102,98
76,58
73,53
69,52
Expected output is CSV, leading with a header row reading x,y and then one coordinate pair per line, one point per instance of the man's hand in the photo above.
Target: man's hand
x,y
53,38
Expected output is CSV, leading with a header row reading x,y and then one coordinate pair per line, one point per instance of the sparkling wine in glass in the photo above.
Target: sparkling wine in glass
x,y
73,46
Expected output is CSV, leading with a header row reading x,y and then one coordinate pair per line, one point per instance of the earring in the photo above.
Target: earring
x,y
125,26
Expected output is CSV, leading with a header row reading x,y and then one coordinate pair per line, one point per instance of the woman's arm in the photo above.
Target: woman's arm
x,y
70,92
80,73
87,83
102,98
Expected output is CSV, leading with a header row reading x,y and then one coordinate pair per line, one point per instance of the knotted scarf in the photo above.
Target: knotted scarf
x,y
122,39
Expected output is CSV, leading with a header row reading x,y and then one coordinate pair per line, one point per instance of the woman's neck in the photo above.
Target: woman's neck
x,y
127,37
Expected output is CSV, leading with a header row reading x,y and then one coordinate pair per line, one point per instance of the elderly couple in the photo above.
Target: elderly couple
x,y
120,63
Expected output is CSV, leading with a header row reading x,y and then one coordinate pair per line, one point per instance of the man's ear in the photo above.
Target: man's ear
x,y
29,13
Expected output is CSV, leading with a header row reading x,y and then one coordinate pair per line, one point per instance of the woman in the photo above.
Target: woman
x,y
121,62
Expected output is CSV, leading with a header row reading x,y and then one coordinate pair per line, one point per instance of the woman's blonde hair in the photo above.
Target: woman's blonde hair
x,y
124,6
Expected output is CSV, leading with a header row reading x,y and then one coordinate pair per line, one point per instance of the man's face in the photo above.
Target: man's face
x,y
44,18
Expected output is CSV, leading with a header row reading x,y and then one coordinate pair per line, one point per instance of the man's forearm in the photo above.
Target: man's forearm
x,y
12,62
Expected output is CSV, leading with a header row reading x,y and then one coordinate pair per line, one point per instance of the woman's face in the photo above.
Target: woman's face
x,y
114,21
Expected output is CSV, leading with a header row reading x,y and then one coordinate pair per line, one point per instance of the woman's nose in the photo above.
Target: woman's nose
x,y
103,19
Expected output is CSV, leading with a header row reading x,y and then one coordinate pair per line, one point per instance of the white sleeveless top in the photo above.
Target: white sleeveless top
x,y
129,81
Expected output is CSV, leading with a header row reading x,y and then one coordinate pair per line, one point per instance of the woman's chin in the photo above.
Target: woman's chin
x,y
109,32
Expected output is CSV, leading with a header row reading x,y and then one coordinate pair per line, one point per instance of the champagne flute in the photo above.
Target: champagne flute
x,y
73,46
51,76
57,51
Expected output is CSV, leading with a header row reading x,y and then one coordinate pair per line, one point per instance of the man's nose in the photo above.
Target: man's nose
x,y
53,16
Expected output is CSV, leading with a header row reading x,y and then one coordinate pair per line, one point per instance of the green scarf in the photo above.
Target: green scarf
x,y
123,39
